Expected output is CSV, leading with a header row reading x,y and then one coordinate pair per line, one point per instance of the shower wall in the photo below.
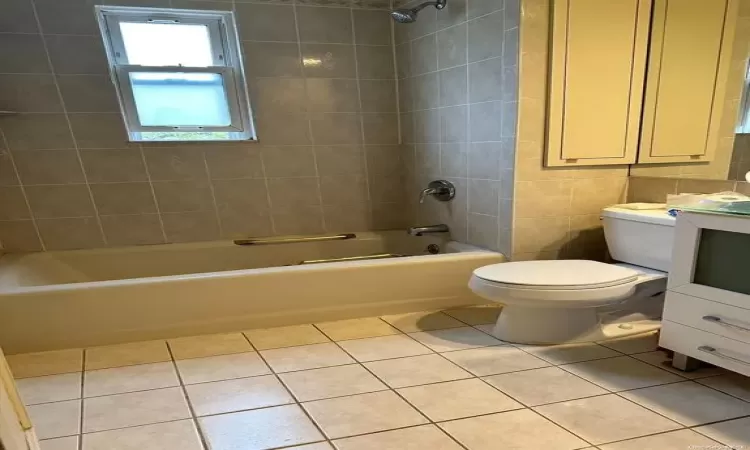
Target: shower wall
x,y
458,80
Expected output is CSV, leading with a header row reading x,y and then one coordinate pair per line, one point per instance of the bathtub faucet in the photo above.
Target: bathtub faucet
x,y
419,231
441,190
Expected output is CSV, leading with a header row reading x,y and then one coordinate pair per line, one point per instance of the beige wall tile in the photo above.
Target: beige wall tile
x,y
22,132
380,128
271,59
241,195
344,190
13,203
540,234
113,165
339,160
283,129
19,236
333,95
453,86
69,234
483,231
298,220
372,27
329,61
336,129
451,47
263,22
123,198
18,17
23,53
650,189
132,229
234,162
183,196
60,201
98,130
282,95
324,24
88,93
288,161
175,163
378,95
375,62
424,55
346,218
77,54
29,93
49,167
190,226
244,223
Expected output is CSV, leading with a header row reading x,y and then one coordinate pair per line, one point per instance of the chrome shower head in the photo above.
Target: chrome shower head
x,y
410,15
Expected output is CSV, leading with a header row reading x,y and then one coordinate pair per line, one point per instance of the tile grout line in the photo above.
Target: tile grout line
x,y
360,114
183,389
83,406
147,170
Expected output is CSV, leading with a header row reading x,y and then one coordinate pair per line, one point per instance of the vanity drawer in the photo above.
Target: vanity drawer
x,y
717,350
716,318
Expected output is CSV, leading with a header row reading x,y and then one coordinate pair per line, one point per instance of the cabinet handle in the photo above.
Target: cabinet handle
x,y
717,353
719,321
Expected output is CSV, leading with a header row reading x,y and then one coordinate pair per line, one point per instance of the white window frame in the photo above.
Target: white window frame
x,y
227,62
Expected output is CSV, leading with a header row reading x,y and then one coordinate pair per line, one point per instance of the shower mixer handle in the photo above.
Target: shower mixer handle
x,y
441,190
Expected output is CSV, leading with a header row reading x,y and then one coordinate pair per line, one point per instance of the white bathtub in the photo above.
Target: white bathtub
x,y
84,298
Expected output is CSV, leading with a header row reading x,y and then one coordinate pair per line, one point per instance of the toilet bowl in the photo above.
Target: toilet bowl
x,y
566,301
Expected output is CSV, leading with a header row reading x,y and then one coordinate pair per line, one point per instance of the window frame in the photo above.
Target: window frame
x,y
227,62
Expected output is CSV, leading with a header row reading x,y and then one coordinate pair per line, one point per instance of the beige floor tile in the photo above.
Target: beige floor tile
x,y
518,430
674,440
131,354
356,328
138,408
316,446
45,363
458,399
487,328
237,395
224,367
59,419
659,358
306,357
64,443
634,344
120,380
384,347
689,403
455,339
493,360
209,345
180,435
569,353
545,385
422,321
330,382
733,384
267,338
734,433
425,437
364,413
51,388
619,374
476,315
605,419
265,428
404,372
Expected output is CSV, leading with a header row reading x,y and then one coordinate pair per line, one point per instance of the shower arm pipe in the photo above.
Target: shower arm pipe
x,y
439,4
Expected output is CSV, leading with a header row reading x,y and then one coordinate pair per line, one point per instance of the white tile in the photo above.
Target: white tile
x,y
306,357
733,384
415,438
356,328
455,339
734,433
237,395
518,430
364,413
45,363
267,338
422,321
209,345
403,372
545,385
130,354
316,446
258,429
606,418
129,379
224,367
50,388
138,408
63,443
180,435
487,328
674,440
569,353
330,382
493,360
384,347
619,374
660,359
634,344
476,315
458,399
53,420
689,403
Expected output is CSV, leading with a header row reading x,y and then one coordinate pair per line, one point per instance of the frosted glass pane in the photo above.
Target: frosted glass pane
x,y
160,44
180,99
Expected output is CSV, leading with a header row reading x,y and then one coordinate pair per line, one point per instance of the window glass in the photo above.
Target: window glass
x,y
171,44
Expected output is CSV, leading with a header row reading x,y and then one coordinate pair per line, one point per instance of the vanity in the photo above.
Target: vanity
x,y
707,308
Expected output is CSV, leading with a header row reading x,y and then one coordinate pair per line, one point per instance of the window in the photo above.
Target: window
x,y
178,73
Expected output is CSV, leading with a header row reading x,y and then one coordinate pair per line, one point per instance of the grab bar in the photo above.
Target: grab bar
x,y
293,240
351,258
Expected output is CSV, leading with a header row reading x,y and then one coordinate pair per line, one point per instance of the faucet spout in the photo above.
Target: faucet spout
x,y
420,231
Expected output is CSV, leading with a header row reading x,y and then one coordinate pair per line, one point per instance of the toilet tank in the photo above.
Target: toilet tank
x,y
640,237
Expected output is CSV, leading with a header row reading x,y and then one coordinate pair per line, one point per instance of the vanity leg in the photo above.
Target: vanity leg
x,y
684,362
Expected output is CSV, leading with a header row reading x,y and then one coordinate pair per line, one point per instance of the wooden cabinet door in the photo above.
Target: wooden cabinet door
x,y
597,69
689,59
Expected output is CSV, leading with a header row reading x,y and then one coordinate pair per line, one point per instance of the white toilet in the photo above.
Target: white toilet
x,y
565,301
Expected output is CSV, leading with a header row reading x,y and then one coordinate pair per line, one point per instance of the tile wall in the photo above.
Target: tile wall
x,y
323,87
457,74
656,189
740,162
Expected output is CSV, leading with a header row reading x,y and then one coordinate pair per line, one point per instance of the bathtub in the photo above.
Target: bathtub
x,y
84,298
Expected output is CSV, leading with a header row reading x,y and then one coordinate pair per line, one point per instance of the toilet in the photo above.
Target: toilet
x,y
568,301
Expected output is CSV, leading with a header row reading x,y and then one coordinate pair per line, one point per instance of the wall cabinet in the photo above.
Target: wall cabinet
x,y
637,80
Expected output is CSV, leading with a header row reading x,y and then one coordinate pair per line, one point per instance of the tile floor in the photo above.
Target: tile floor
x,y
433,380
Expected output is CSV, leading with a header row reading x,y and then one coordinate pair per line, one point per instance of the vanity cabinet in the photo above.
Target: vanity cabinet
x,y
637,80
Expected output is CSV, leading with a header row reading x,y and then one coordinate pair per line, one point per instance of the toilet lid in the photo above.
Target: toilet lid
x,y
558,274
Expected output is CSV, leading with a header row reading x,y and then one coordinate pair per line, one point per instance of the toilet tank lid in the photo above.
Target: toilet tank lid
x,y
557,274
655,216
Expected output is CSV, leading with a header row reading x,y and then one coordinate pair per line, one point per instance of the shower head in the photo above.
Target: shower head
x,y
410,15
